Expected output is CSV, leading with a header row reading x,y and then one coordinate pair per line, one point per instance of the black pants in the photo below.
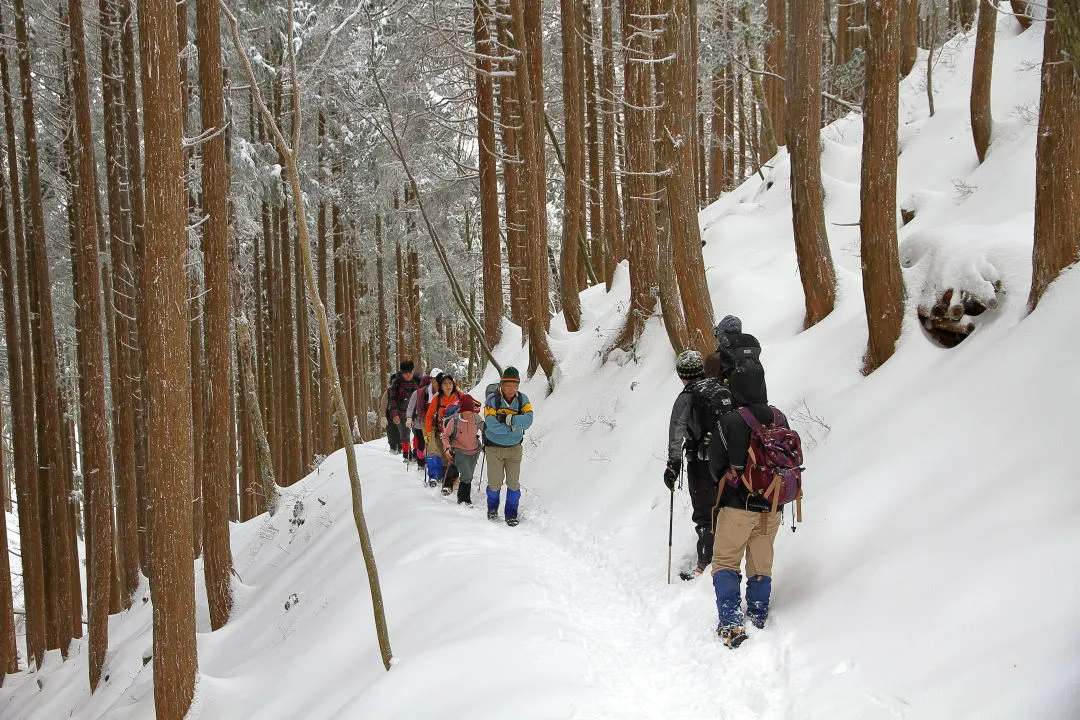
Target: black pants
x,y
393,436
702,486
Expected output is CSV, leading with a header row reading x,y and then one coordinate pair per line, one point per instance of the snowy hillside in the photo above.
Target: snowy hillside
x,y
932,577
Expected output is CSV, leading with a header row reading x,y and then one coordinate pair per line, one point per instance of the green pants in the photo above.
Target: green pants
x,y
503,463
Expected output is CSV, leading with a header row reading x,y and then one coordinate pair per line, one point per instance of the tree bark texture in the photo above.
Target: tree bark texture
x,y
24,416
776,55
982,122
804,141
909,36
217,552
678,147
528,73
574,198
54,473
169,470
96,440
614,232
1020,10
484,32
640,169
1057,159
883,283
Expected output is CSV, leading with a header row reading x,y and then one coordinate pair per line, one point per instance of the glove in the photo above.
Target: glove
x,y
671,474
504,419
408,423
397,419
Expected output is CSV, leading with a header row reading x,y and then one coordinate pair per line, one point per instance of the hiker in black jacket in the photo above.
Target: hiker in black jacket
x,y
737,354
693,420
744,523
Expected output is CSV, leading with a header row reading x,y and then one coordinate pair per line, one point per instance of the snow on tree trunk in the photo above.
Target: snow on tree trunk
x,y
1057,162
883,283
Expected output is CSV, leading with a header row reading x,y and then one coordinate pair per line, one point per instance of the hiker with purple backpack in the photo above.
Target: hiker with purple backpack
x,y
757,460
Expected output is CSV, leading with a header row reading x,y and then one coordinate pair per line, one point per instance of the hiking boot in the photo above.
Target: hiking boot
x,y
512,521
757,621
493,515
732,635
447,490
432,482
464,501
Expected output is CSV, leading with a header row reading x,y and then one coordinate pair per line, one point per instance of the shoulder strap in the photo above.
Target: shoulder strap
x,y
748,418
776,417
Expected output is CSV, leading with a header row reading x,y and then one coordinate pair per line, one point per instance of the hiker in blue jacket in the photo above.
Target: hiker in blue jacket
x,y
507,415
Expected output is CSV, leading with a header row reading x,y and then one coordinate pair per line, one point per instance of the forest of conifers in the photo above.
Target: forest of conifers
x,y
222,224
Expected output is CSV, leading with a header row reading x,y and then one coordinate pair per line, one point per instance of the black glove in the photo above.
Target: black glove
x,y
504,419
671,474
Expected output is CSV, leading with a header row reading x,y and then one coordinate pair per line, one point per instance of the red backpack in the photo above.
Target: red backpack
x,y
773,462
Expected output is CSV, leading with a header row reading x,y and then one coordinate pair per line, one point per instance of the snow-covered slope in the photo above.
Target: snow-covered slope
x,y
931,579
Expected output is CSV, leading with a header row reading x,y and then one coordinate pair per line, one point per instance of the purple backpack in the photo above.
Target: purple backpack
x,y
773,461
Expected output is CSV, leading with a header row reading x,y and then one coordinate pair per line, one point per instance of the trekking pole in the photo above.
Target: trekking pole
x,y
670,530
480,479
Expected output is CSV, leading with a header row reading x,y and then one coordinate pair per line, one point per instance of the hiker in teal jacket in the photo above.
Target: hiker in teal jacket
x,y
507,415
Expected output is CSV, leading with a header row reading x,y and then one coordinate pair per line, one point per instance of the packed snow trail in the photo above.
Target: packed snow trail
x,y
651,648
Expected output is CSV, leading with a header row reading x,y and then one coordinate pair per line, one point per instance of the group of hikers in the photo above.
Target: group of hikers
x,y
443,430
742,460
743,464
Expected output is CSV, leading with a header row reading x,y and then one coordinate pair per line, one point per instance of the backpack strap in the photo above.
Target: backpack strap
x,y
749,418
776,417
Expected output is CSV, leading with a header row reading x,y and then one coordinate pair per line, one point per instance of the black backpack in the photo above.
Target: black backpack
x,y
711,400
741,369
490,393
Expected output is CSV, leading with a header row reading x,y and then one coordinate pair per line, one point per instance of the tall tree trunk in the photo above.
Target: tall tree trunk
x,y
883,283
909,36
127,541
982,121
89,316
9,654
528,72
574,199
217,561
1021,11
776,54
24,416
966,12
804,140
1057,161
763,130
169,471
510,132
678,148
614,234
287,153
592,122
484,43
267,495
54,472
640,167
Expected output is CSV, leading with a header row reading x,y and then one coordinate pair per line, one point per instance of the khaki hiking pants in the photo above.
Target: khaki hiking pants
x,y
741,532
503,463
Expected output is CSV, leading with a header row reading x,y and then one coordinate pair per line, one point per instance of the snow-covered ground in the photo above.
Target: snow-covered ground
x,y
933,576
